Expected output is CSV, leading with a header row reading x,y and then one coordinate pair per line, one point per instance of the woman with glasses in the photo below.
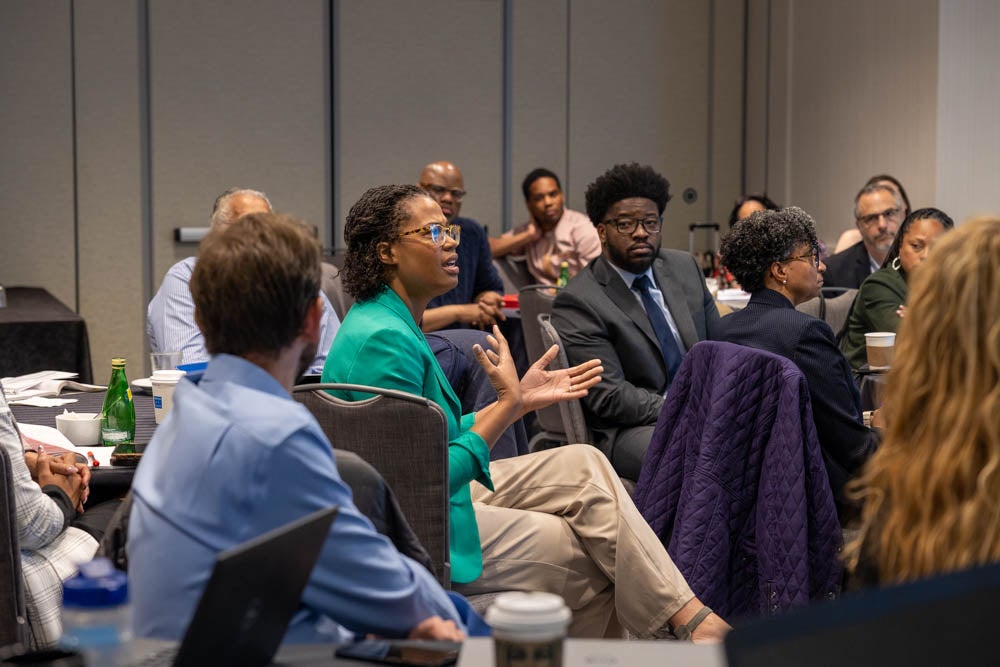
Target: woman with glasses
x,y
775,256
880,302
559,520
931,493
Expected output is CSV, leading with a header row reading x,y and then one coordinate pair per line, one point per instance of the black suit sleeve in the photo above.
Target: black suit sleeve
x,y
846,441
487,278
615,402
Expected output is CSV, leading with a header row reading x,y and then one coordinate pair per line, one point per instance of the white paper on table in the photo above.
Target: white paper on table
x,y
42,402
47,436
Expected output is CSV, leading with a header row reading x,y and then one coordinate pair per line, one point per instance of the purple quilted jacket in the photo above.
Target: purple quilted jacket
x,y
734,485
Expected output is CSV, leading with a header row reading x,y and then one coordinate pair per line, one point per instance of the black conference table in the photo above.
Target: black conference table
x,y
39,333
105,481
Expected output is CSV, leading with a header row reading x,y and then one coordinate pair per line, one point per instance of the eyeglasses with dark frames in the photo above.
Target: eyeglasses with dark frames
x,y
890,214
629,225
811,258
437,232
438,191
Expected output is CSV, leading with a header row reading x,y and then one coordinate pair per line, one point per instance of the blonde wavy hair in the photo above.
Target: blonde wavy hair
x,y
931,493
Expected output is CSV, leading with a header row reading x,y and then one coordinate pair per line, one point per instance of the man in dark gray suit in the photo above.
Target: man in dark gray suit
x,y
638,308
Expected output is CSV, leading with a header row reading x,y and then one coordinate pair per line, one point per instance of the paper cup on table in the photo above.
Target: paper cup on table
x,y
83,429
880,345
165,361
164,383
528,629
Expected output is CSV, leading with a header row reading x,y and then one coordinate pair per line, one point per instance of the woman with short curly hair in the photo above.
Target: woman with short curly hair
x,y
775,256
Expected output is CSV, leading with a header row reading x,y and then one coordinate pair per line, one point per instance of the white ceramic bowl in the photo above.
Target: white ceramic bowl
x,y
82,428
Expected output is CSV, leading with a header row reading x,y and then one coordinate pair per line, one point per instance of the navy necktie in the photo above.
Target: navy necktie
x,y
668,344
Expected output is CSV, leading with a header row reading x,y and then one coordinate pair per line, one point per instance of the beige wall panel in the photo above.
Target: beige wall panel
x,y
36,142
968,167
239,96
727,109
854,93
758,96
538,99
419,82
639,92
109,171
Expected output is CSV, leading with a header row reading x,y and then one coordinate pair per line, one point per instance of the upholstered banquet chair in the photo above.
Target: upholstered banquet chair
x,y
405,437
535,300
571,412
12,602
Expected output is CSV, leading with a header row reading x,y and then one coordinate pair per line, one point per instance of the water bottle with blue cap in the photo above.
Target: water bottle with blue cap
x,y
97,619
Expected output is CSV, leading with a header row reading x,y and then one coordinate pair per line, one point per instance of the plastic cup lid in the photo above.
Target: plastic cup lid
x,y
529,615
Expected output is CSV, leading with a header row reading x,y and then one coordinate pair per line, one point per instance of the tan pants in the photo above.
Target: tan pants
x,y
560,521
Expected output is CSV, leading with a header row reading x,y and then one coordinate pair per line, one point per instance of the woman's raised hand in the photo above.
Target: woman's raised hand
x,y
541,387
500,369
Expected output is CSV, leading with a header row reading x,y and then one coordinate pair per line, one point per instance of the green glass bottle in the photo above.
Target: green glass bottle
x,y
118,413
563,273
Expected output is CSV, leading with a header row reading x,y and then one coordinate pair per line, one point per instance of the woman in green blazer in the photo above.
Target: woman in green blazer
x,y
556,521
880,301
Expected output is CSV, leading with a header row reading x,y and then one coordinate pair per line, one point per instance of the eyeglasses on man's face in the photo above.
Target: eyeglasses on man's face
x,y
437,233
810,257
629,225
890,215
438,191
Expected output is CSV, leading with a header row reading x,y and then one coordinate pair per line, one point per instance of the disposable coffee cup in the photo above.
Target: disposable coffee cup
x,y
528,629
164,383
880,345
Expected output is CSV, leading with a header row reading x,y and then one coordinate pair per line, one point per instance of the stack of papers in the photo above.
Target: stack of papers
x,y
44,384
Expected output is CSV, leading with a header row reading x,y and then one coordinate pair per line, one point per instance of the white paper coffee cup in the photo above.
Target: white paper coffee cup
x,y
528,629
879,346
163,392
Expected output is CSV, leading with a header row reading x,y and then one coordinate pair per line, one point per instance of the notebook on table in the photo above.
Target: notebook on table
x,y
246,606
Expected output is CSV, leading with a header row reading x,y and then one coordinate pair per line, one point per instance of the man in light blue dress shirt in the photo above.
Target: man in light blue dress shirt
x,y
170,323
237,457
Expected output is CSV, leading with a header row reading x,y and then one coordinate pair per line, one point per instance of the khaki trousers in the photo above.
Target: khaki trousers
x,y
560,521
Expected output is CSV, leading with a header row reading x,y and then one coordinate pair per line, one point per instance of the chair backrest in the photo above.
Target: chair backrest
x,y
405,437
831,309
535,300
12,604
333,287
513,271
574,423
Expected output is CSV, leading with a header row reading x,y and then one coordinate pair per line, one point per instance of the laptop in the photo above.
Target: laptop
x,y
249,600
946,620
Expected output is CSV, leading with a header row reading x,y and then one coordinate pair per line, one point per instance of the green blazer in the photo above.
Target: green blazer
x,y
378,344
874,309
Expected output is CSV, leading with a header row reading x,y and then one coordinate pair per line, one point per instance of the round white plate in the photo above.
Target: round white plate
x,y
144,384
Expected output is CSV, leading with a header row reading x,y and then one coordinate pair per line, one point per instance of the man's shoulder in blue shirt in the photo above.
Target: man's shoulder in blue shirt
x,y
237,457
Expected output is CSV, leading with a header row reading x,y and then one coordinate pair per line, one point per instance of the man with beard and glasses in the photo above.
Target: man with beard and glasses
x,y
638,308
237,457
878,211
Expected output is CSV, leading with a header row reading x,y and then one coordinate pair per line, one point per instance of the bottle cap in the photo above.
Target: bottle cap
x,y
118,361
98,585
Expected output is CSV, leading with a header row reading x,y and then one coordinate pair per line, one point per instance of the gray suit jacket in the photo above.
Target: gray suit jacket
x,y
597,316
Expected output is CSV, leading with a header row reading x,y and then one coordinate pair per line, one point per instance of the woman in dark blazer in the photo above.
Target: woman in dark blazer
x,y
775,256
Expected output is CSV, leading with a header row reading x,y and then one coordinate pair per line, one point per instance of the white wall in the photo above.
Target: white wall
x,y
852,93
968,108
